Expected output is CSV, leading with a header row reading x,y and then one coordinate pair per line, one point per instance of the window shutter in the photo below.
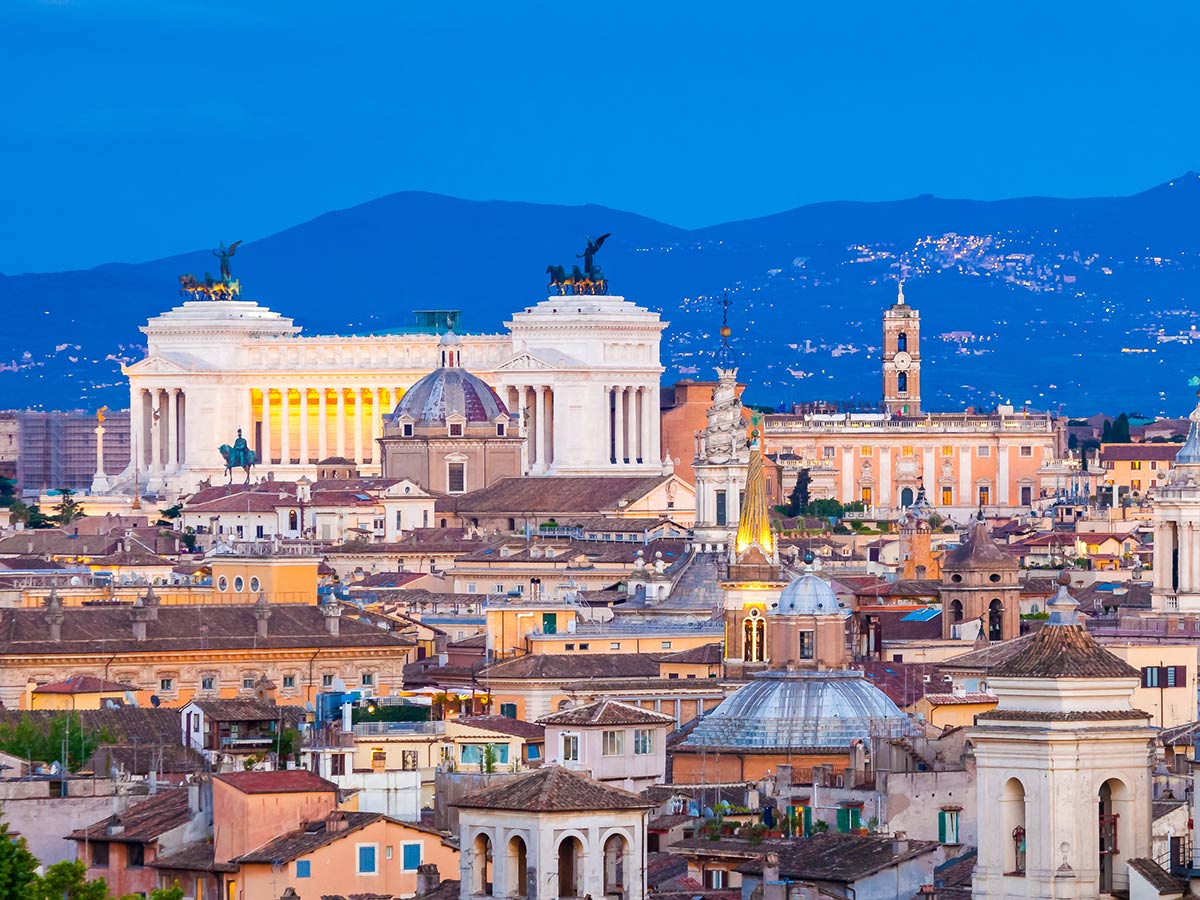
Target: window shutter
x,y
1181,676
942,827
412,856
1145,677
807,820
843,821
856,818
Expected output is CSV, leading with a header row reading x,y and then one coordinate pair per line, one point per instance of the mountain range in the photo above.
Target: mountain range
x,y
1074,304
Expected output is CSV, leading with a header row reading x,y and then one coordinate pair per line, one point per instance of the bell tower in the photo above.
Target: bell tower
x,y
902,358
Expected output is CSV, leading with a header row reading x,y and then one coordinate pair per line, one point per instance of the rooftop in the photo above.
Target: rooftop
x,y
553,789
606,712
142,822
1063,651
290,781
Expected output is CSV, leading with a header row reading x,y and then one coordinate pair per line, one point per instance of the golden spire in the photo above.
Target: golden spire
x,y
754,526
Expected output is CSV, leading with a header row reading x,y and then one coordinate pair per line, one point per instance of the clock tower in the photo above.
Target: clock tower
x,y
902,358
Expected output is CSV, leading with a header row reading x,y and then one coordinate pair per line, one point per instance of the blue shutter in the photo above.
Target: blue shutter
x,y
366,860
303,868
412,857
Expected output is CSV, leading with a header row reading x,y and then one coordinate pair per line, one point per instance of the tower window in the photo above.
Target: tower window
x,y
806,645
722,515
902,382
902,342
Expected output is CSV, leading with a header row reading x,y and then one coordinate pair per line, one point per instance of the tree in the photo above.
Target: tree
x,y
68,508
8,492
1106,433
28,514
44,740
67,881
798,501
1120,429
18,867
826,509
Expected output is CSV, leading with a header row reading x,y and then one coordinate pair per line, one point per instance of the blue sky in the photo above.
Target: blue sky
x,y
133,129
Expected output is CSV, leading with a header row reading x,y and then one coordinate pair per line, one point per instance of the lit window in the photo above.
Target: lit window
x,y
907,451
985,495
1135,465
614,743
947,496
806,645
866,451
947,450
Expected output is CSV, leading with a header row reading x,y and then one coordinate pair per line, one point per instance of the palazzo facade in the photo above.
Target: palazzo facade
x,y
582,373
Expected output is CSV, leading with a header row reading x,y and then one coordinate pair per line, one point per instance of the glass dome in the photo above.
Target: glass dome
x,y
793,710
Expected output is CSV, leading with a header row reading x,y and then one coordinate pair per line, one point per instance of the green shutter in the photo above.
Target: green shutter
x,y
855,818
807,821
942,827
843,821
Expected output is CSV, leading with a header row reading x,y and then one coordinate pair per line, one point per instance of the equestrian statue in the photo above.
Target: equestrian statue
x,y
239,456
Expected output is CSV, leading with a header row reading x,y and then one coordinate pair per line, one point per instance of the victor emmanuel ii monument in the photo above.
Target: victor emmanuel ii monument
x,y
581,369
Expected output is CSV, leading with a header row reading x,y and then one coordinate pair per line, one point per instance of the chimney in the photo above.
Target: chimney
x,y
262,612
428,878
151,602
139,615
773,887
332,612
54,616
900,843
335,822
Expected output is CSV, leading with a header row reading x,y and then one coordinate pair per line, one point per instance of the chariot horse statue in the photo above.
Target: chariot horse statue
x,y
239,456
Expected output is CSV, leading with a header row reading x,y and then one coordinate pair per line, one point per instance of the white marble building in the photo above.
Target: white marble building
x,y
583,373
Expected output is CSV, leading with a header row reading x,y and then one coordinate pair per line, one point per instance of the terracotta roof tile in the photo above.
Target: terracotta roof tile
x,y
192,858
606,712
1063,651
561,496
249,711
1021,715
960,699
1159,879
544,666
505,725
82,684
142,822
301,841
282,782
839,857
553,789
978,551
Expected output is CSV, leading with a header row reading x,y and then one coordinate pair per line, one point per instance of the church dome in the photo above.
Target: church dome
x,y
450,391
808,595
791,710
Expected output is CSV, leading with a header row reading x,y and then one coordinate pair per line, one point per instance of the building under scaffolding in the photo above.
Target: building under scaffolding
x,y
58,449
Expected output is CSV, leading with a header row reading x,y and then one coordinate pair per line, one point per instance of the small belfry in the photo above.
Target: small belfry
x,y
901,357
1177,530
1065,762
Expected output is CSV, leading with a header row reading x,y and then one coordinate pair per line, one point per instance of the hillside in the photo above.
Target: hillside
x,y
1085,303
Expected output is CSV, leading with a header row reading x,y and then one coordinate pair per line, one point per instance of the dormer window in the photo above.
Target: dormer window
x,y
499,429
407,429
456,429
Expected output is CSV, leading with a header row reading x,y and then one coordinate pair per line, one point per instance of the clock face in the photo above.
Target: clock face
x,y
902,360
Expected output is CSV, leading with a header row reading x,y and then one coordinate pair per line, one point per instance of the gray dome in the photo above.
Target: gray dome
x,y
791,710
450,391
808,595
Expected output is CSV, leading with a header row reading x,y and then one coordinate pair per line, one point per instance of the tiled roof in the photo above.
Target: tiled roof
x,y
978,551
544,666
82,684
986,658
553,789
447,889
142,822
145,725
248,711
606,712
561,496
93,630
53,541
196,857
505,725
133,759
292,844
289,781
840,858
904,683
1020,715
1162,881
132,558
1063,651
1180,735
960,699
1126,452
704,655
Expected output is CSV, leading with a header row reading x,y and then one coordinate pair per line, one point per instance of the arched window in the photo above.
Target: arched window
x,y
906,498
481,868
754,637
996,620
1116,815
902,383
293,520
1012,809
570,867
616,872
902,342
956,610
518,868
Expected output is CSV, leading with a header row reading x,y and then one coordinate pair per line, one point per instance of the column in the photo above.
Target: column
x,y
619,425
606,406
181,429
172,422
136,426
266,427
303,426
376,424
645,427
285,425
156,414
357,420
539,424
322,423
340,395
656,453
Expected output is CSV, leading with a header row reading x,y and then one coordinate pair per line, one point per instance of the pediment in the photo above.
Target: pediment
x,y
524,362
165,365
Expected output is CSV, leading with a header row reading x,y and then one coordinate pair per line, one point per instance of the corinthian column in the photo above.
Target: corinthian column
x,y
539,422
304,456
341,422
322,423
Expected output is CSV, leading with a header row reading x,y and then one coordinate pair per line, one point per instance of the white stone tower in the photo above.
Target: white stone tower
x,y
1177,530
722,456
1063,768
902,358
